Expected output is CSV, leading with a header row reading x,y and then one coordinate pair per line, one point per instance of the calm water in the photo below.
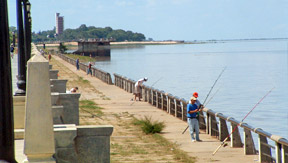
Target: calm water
x,y
252,69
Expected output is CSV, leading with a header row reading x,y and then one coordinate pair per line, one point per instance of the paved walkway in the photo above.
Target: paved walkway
x,y
120,102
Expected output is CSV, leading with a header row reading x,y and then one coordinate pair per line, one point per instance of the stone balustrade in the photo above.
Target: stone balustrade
x,y
100,74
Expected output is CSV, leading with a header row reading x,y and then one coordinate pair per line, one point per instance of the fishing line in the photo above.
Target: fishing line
x,y
225,144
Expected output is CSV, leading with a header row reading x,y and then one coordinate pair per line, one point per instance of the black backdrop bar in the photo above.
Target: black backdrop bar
x,y
6,102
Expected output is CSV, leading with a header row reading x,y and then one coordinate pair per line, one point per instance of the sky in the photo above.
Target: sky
x,y
166,19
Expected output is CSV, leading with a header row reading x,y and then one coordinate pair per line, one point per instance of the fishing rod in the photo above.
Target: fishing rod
x,y
223,143
214,84
208,93
212,97
156,82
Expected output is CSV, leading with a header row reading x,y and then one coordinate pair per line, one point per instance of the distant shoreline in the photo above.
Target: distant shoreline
x,y
146,42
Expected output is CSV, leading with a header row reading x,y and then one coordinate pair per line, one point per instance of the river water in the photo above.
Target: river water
x,y
252,69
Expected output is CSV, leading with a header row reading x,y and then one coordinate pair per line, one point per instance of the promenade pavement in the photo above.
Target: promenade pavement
x,y
120,101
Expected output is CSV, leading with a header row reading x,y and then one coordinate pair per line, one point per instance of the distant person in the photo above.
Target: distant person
x,y
77,63
192,120
12,51
74,90
89,70
138,88
42,52
49,57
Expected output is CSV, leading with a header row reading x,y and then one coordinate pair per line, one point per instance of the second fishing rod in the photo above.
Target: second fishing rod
x,y
203,105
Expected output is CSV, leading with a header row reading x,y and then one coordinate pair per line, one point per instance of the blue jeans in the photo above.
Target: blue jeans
x,y
193,124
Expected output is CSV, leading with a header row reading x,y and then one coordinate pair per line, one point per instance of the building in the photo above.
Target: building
x,y
94,48
59,24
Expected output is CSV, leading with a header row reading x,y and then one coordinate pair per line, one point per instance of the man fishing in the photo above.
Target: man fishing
x,y
192,120
138,88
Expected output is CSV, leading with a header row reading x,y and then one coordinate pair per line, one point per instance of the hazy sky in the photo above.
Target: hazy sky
x,y
167,19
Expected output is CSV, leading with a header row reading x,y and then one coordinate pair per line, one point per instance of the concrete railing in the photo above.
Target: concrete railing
x,y
100,74
214,123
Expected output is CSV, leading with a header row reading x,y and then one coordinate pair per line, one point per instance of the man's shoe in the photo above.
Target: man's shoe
x,y
199,140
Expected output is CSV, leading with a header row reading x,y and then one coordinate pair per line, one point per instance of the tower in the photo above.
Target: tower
x,y
59,24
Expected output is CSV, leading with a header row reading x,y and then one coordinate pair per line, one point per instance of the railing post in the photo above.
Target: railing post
x,y
284,155
214,126
278,152
208,122
223,129
202,124
235,136
249,147
264,151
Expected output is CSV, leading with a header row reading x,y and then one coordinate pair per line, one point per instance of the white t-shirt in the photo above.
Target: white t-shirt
x,y
139,82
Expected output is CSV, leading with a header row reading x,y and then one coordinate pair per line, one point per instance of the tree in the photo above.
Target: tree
x,y
62,48
85,33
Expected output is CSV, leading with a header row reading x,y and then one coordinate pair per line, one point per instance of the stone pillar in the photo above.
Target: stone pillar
x,y
53,74
64,144
93,143
39,145
70,102
58,85
19,111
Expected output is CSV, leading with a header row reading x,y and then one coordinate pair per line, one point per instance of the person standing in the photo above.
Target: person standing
x,y
192,120
198,103
77,63
138,88
12,51
89,70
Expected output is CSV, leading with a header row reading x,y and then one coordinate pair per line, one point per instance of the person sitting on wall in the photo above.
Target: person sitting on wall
x,y
74,90
138,88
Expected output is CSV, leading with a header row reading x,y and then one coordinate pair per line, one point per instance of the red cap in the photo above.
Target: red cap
x,y
195,94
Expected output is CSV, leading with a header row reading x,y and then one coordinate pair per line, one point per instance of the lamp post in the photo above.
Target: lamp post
x,y
21,83
13,41
6,103
27,29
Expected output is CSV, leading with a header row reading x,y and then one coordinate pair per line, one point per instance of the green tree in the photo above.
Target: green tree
x,y
62,48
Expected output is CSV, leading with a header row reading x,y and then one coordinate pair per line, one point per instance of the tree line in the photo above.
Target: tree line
x,y
85,33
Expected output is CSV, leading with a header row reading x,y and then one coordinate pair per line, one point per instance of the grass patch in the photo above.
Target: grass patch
x,y
179,155
91,107
148,126
84,81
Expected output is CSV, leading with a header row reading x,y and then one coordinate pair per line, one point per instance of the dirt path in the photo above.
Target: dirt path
x,y
118,110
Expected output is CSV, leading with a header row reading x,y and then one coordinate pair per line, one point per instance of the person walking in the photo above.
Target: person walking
x,y
138,88
89,70
192,120
77,63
